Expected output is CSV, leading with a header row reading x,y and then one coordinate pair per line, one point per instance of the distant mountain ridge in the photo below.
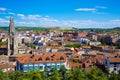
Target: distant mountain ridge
x,y
117,28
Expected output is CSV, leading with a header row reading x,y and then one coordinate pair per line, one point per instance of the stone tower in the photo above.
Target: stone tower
x,y
12,45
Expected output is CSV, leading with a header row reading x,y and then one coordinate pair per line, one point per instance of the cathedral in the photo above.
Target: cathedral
x,y
12,44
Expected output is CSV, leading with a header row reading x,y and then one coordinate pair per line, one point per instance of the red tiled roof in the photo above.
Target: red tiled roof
x,y
7,65
58,57
82,34
75,56
86,46
93,59
114,59
73,64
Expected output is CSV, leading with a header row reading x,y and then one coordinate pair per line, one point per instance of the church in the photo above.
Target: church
x,y
12,43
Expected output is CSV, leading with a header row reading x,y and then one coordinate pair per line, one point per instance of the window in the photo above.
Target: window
x,y
40,59
114,69
61,58
58,66
35,67
35,59
47,58
115,65
41,67
48,66
90,65
53,66
30,67
25,68
52,59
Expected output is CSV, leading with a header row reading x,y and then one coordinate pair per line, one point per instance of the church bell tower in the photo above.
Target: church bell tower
x,y
12,45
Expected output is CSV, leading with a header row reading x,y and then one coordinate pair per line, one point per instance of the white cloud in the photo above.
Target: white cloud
x,y
93,10
3,9
8,17
38,20
3,22
102,7
33,17
98,12
117,20
86,9
11,13
20,15
29,17
23,23
81,23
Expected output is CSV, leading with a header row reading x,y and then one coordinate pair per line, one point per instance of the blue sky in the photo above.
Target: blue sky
x,y
61,13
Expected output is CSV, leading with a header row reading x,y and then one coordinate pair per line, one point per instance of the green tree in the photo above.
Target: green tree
x,y
17,75
43,75
3,76
102,42
33,75
32,45
2,43
55,75
63,72
73,45
74,60
118,75
118,46
97,74
114,76
78,74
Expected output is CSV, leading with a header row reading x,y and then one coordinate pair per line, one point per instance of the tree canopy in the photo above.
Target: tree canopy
x,y
2,43
73,45
62,74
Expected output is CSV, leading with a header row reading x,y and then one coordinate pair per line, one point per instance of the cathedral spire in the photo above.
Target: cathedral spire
x,y
11,26
12,45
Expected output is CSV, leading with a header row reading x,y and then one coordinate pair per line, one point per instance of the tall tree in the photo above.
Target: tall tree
x,y
17,75
97,74
55,75
63,72
3,76
33,75
78,74
113,76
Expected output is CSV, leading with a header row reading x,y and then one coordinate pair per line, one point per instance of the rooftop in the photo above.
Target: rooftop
x,y
30,58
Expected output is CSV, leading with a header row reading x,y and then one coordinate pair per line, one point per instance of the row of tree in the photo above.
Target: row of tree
x,y
62,74
73,45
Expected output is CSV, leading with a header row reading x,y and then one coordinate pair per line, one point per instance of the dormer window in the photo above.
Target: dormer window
x,y
61,58
40,59
47,58
35,59
52,59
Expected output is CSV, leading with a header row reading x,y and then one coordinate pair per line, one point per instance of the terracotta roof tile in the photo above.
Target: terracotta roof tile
x,y
73,65
58,57
7,65
112,60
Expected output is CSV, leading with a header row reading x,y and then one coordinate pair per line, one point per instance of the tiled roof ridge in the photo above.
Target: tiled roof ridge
x,y
58,57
